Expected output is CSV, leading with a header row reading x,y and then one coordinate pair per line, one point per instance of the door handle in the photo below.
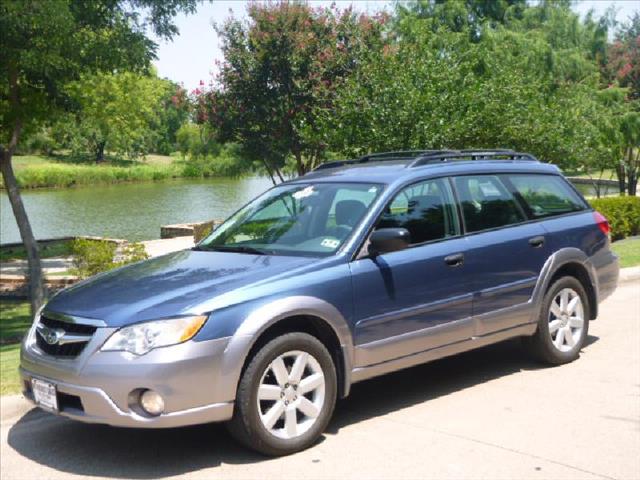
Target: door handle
x,y
454,260
536,242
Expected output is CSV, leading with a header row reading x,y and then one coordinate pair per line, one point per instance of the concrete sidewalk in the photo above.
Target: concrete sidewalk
x,y
491,413
56,265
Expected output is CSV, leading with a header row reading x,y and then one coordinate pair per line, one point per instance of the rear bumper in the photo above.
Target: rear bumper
x,y
608,272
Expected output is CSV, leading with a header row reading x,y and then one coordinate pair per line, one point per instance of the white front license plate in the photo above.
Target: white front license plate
x,y
44,393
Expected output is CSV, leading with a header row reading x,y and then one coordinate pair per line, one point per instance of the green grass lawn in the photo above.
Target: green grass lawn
x,y
36,171
9,378
25,161
47,250
15,320
628,251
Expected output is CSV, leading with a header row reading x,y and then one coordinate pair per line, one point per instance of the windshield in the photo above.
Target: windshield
x,y
298,219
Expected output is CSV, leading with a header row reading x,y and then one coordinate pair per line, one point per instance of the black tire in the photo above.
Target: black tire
x,y
246,425
540,345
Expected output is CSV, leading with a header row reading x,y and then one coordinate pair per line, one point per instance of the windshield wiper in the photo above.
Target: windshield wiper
x,y
230,248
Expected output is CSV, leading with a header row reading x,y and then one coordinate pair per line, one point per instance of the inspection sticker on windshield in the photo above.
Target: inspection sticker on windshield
x,y
330,243
305,192
489,189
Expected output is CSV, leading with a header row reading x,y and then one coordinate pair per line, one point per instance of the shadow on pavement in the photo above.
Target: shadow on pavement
x,y
97,450
382,395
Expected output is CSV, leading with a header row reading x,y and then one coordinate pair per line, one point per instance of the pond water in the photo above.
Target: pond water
x,y
135,211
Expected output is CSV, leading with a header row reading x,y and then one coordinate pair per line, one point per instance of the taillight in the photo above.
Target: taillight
x,y
602,222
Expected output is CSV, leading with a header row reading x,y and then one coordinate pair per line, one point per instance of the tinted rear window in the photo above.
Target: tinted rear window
x,y
486,203
546,195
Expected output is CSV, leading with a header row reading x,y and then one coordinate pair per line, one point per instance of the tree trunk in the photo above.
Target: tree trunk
x,y
279,173
632,172
299,163
35,278
620,172
100,152
266,166
632,184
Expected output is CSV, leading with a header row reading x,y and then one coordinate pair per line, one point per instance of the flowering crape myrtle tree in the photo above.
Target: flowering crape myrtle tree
x,y
281,68
622,66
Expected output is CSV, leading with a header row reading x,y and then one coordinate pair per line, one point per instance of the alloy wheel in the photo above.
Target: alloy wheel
x,y
291,394
566,320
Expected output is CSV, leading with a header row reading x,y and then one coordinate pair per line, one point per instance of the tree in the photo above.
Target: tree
x,y
469,16
176,112
119,111
525,84
281,68
45,45
623,57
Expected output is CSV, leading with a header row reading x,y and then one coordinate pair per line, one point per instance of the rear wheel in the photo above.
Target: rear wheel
x,y
286,395
563,325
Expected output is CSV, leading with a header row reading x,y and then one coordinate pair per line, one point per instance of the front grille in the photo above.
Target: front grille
x,y
67,326
67,350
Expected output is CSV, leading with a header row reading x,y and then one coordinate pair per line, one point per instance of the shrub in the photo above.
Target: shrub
x,y
202,230
91,257
132,252
623,214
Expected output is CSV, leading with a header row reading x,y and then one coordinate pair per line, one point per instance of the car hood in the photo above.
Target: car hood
x,y
173,284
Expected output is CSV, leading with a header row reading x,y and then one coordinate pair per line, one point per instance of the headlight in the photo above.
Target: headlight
x,y
143,337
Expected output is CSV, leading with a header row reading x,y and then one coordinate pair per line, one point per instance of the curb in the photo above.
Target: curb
x,y
629,274
13,407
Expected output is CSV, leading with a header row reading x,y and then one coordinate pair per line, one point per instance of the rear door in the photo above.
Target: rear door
x,y
420,297
505,252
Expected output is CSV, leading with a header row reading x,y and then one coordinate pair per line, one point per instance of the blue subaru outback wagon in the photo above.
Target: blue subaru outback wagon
x,y
359,268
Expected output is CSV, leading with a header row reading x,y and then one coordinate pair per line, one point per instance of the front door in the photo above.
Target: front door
x,y
418,298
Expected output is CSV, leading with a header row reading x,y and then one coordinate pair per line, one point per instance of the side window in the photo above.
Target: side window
x,y
349,205
426,209
546,195
486,203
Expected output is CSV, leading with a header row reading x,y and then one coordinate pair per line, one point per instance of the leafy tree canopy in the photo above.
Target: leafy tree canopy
x,y
282,66
47,44
118,112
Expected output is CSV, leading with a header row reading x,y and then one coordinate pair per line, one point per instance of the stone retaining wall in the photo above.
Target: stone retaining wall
x,y
198,230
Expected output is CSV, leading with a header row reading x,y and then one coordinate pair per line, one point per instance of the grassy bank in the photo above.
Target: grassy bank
x,y
629,252
14,322
33,171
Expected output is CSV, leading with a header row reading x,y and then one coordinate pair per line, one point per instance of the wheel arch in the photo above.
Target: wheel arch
x,y
295,314
568,262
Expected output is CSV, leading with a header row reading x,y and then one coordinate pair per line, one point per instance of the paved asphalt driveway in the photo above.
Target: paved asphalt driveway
x,y
484,414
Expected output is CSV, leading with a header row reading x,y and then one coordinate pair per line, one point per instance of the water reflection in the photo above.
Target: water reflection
x,y
134,211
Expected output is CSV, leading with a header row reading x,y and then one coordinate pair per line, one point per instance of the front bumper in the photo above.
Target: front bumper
x,y
100,387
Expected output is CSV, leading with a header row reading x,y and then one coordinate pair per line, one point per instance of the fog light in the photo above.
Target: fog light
x,y
151,402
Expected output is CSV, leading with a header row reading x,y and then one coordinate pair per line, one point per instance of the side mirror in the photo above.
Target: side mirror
x,y
386,240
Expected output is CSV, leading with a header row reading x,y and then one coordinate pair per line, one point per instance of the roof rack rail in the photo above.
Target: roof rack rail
x,y
465,155
378,157
426,157
334,164
396,155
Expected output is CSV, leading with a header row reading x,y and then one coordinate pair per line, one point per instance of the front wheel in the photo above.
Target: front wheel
x,y
563,325
286,395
